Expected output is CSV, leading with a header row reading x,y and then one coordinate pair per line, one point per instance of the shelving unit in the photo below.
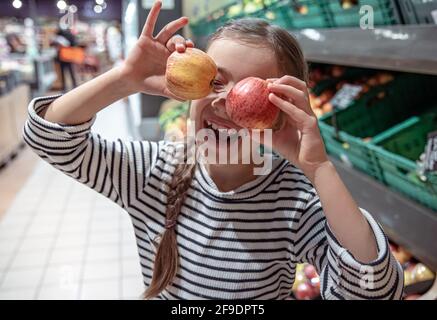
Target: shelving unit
x,y
398,48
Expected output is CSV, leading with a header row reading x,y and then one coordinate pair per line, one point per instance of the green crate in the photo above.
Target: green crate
x,y
396,151
276,13
370,116
385,12
315,15
349,74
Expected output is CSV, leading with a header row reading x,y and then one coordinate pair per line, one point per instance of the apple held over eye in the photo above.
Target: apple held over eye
x,y
248,105
190,75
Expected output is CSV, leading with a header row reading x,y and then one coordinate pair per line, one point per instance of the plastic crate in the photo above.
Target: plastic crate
x,y
309,14
276,13
385,12
205,27
370,116
396,152
418,11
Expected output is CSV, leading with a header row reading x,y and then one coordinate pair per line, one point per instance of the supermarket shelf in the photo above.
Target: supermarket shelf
x,y
399,48
404,221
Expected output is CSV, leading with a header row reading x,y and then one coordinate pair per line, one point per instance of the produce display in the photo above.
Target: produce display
x,y
418,278
325,82
306,283
173,119
190,75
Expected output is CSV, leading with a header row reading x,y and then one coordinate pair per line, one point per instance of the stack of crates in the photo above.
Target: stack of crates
x,y
347,13
397,151
419,11
365,134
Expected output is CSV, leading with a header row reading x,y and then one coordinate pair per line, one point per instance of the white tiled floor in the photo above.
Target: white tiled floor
x,y
61,240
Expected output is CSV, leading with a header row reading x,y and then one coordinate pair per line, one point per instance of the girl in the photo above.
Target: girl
x,y
218,231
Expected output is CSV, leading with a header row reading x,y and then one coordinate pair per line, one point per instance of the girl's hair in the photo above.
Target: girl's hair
x,y
290,61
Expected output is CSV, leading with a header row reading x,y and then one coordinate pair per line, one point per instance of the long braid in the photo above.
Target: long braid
x,y
167,257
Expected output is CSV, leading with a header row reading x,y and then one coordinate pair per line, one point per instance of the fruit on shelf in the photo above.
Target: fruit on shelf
x,y
337,71
299,279
248,105
315,284
190,75
307,282
302,9
347,4
304,291
402,255
408,278
327,107
310,272
422,273
384,78
235,10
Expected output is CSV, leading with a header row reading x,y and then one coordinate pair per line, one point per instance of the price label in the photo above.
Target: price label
x,y
345,96
431,152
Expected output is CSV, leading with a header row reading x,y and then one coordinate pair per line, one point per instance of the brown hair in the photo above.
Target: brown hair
x,y
291,61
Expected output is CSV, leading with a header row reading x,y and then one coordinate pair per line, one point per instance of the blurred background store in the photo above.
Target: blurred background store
x,y
374,89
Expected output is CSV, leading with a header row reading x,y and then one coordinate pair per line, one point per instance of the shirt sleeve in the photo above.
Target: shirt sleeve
x,y
341,275
116,169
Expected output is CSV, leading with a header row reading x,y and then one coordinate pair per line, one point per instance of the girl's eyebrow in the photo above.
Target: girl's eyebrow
x,y
225,73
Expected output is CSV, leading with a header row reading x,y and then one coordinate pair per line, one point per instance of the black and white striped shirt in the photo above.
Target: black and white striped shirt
x,y
242,244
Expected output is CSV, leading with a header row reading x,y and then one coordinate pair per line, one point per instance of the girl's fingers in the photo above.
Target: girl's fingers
x,y
170,29
297,115
293,81
288,91
272,80
149,26
296,96
177,42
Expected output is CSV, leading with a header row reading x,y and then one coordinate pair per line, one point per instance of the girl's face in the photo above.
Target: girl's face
x,y
235,61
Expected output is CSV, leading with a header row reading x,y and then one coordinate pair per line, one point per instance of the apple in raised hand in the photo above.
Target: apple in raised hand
x,y
248,105
190,75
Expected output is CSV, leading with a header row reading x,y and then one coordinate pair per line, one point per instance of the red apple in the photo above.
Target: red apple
x,y
304,292
310,272
315,284
248,105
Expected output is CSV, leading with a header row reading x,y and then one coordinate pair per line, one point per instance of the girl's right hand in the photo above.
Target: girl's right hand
x,y
144,67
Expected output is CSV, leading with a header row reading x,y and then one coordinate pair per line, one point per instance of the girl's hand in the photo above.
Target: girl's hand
x,y
144,68
299,139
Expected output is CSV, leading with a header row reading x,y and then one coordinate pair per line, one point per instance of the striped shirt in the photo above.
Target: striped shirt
x,y
242,244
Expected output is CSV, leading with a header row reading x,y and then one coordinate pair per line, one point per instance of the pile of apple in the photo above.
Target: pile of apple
x,y
414,271
321,103
306,283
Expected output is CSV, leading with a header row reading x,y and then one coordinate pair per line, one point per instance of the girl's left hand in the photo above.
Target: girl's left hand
x,y
299,139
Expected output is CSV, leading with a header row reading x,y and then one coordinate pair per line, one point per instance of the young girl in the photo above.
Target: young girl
x,y
218,231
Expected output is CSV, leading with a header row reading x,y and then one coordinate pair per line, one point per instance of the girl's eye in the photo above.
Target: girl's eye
x,y
218,85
